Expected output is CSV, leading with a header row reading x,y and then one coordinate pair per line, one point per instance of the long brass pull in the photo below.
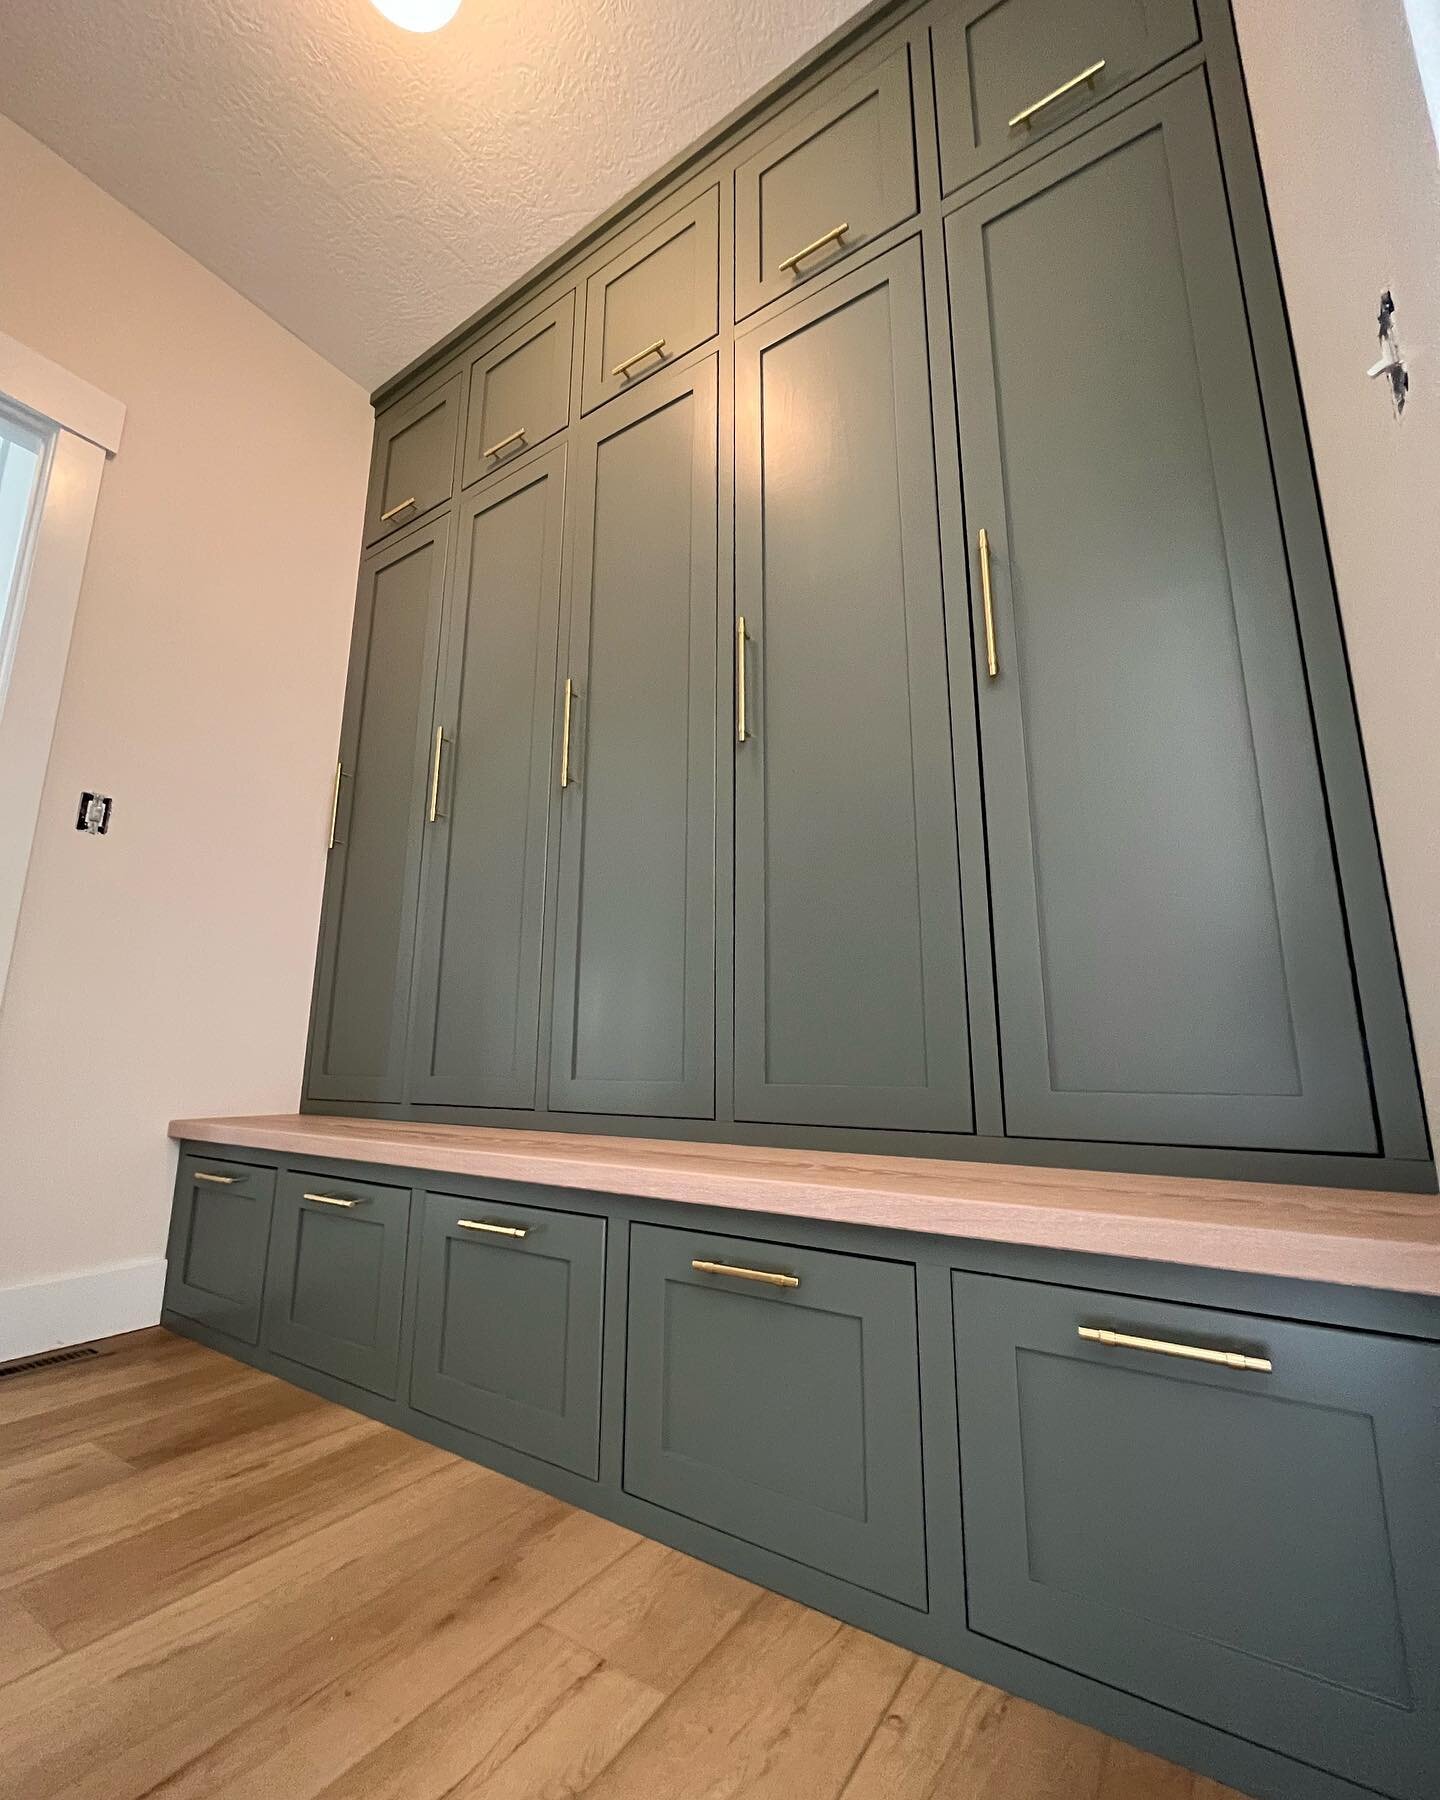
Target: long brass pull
x,y
515,437
510,1231
219,1180
1227,1359
329,1200
395,511
741,731
565,734
335,804
832,236
768,1276
1028,115
655,349
432,810
992,662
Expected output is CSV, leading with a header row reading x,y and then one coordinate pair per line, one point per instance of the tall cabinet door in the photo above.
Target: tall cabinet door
x,y
634,987
477,989
367,932
849,970
1170,951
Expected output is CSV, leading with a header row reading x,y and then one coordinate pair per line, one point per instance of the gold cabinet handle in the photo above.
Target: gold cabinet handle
x,y
832,236
432,810
1227,1359
741,730
655,349
510,1231
330,1200
565,734
219,1180
515,437
395,511
1027,117
768,1276
992,662
335,804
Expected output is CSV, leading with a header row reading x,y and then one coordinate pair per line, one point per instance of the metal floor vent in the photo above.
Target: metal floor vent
x,y
46,1362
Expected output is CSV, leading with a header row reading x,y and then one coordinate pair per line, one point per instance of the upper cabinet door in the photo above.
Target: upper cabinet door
x,y
520,390
1008,71
412,470
657,300
849,971
1170,952
634,988
836,179
367,931
477,990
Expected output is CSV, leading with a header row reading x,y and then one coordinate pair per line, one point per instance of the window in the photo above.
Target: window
x,y
1424,16
24,463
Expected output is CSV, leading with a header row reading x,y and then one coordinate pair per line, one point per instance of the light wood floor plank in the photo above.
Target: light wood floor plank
x,y
33,1483
25,1644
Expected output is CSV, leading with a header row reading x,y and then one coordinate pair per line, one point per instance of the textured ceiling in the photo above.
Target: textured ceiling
x,y
369,187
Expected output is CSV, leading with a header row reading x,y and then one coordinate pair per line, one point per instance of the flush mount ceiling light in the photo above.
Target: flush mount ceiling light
x,y
418,15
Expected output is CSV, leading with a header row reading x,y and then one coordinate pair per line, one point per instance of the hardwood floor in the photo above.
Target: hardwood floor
x,y
214,1584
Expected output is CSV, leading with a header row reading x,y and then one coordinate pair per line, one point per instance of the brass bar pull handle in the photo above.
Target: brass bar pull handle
x,y
565,734
335,804
219,1180
741,723
395,511
432,810
1225,1359
510,1231
832,236
330,1200
655,349
1027,117
768,1276
515,437
992,662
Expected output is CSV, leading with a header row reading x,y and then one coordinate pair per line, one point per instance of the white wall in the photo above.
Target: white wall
x,y
165,969
1354,187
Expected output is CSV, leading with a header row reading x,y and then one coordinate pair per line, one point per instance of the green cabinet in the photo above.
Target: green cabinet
x,y
1170,946
849,970
413,467
367,929
474,1030
509,1311
219,1236
634,987
335,1287
519,390
1258,1546
772,1391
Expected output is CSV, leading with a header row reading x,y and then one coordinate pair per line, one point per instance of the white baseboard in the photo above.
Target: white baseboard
x,y
72,1309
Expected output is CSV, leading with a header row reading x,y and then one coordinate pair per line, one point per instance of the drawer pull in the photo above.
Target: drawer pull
x,y
395,511
219,1180
768,1276
330,1200
512,1231
992,662
1227,1359
1028,116
832,236
655,349
515,437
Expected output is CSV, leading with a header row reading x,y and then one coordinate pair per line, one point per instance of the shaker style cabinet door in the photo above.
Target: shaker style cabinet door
x,y
850,1003
634,985
413,468
477,991
367,931
1170,950
219,1236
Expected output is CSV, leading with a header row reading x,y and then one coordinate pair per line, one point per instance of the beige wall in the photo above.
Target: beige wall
x,y
165,969
1351,172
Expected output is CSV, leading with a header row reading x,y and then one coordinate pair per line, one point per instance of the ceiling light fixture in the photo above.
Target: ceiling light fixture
x,y
418,15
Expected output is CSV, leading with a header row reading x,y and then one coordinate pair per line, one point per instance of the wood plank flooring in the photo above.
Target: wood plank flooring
x,y
214,1584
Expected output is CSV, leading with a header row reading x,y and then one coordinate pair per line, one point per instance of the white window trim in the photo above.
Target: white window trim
x,y
88,426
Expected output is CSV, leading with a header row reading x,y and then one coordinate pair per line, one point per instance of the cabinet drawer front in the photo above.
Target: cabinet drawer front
x,y
219,1236
784,1415
414,463
1008,71
1260,1549
336,1282
654,302
850,163
519,391
508,1326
